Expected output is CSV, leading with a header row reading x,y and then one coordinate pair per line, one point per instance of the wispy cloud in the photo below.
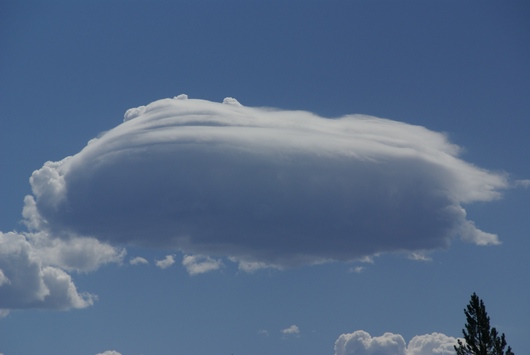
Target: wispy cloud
x,y
263,332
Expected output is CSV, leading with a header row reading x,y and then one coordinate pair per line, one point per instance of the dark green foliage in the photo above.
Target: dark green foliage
x,y
480,339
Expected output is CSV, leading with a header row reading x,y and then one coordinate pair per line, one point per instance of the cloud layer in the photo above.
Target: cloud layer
x,y
362,343
262,186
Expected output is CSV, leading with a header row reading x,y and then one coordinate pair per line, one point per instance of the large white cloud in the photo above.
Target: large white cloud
x,y
263,186
362,343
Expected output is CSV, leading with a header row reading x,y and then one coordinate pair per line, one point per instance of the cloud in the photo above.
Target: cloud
x,y
199,264
432,344
522,183
166,262
357,269
30,282
265,187
138,260
362,343
419,255
76,254
292,330
109,352
263,332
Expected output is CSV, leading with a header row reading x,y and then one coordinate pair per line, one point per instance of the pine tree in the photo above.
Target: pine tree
x,y
479,338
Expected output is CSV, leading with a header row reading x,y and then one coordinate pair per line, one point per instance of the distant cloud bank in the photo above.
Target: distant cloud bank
x,y
258,186
362,343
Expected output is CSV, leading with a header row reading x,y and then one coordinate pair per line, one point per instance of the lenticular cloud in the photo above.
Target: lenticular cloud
x,y
259,185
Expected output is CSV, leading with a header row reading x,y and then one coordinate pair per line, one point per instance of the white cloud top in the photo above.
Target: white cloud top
x,y
263,186
362,343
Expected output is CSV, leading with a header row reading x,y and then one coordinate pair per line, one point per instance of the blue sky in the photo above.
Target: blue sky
x,y
70,71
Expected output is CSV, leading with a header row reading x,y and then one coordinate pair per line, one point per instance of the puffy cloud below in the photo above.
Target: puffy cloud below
x,y
199,264
362,343
265,187
28,281
109,352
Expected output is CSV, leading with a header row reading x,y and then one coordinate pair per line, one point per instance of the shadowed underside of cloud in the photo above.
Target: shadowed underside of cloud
x,y
281,188
362,343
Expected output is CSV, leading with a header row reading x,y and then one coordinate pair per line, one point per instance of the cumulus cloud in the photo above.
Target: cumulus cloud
x,y
76,254
362,343
199,264
292,330
166,262
265,187
30,282
138,260
109,352
432,344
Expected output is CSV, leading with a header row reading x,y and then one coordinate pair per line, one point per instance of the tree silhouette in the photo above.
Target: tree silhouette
x,y
479,338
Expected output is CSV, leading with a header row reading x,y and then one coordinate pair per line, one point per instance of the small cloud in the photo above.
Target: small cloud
x,y
357,269
368,259
109,352
292,330
133,113
181,97
138,260
3,278
419,256
263,332
166,262
252,266
231,101
199,264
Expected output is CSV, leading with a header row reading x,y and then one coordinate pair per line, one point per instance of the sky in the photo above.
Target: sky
x,y
262,177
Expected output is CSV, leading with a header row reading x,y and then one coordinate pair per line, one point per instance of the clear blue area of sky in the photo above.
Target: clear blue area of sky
x,y
70,69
